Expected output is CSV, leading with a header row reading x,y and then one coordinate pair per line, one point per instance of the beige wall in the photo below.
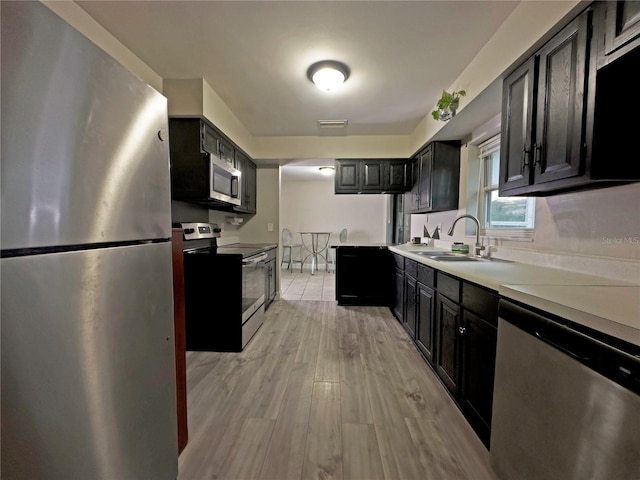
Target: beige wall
x,y
603,222
255,227
312,205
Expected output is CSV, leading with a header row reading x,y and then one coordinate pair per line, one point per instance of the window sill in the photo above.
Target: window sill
x,y
514,235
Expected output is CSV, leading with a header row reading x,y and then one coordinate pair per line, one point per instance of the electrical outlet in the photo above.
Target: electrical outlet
x,y
269,227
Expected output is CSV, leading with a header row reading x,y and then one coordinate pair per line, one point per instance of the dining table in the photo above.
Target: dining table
x,y
316,243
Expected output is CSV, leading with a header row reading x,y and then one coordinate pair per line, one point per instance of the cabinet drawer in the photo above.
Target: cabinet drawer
x,y
426,276
480,301
449,286
399,260
411,268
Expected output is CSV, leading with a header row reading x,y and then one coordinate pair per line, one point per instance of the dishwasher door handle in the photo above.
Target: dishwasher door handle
x,y
580,358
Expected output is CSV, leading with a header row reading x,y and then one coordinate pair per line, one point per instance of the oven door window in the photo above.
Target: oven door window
x,y
253,284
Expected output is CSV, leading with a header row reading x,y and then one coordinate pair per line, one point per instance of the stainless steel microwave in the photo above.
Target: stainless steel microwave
x,y
224,181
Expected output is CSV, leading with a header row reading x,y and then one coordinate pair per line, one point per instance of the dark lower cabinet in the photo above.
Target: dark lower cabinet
x,y
398,300
410,310
478,365
364,276
425,312
270,272
425,329
454,325
449,354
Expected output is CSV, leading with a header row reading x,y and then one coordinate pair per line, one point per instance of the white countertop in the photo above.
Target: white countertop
x,y
604,304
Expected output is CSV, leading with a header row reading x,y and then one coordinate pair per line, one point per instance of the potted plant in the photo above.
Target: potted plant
x,y
447,105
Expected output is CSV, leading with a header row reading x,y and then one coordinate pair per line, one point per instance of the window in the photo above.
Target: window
x,y
495,212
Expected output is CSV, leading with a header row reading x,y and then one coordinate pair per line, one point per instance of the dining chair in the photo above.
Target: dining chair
x,y
288,249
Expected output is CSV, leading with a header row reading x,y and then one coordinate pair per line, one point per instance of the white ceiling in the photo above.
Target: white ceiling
x,y
255,55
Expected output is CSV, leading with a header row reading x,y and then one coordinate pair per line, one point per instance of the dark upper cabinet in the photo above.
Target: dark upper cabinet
x,y
189,145
227,152
398,175
412,197
517,121
620,29
348,177
372,176
543,118
426,178
192,141
213,142
249,182
560,104
562,128
436,177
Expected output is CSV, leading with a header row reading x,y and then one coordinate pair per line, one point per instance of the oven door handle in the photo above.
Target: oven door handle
x,y
253,260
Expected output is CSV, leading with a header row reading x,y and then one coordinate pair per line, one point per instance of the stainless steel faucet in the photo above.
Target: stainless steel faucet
x,y
478,248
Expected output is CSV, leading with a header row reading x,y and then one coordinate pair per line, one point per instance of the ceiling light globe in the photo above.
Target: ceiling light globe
x,y
326,171
328,79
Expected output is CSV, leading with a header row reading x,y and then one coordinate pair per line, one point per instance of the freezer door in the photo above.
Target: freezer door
x,y
82,159
88,372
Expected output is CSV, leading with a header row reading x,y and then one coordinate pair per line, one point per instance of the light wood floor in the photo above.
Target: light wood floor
x,y
325,392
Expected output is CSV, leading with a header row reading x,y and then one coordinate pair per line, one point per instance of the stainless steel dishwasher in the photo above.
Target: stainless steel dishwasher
x,y
566,401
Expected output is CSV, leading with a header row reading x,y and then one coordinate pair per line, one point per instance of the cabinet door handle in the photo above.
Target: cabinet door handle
x,y
525,159
537,155
462,330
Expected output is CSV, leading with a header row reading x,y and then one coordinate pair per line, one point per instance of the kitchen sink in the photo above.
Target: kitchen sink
x,y
455,258
465,258
430,253
443,256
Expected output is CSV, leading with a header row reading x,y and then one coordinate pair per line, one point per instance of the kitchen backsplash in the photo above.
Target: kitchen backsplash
x,y
596,232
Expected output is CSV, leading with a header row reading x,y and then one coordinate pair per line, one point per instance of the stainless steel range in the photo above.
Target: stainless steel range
x,y
224,289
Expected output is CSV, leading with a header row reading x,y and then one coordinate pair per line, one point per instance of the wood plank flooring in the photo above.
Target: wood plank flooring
x,y
325,392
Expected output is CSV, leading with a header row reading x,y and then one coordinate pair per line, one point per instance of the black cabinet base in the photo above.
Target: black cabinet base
x,y
364,276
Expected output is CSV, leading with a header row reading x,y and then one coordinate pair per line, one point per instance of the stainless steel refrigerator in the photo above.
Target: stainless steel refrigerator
x,y
87,355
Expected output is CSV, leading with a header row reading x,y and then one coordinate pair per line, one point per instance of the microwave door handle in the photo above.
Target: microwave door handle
x,y
235,182
254,260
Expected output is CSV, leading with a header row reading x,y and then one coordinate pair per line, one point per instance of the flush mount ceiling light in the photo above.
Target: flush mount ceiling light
x,y
326,171
328,75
